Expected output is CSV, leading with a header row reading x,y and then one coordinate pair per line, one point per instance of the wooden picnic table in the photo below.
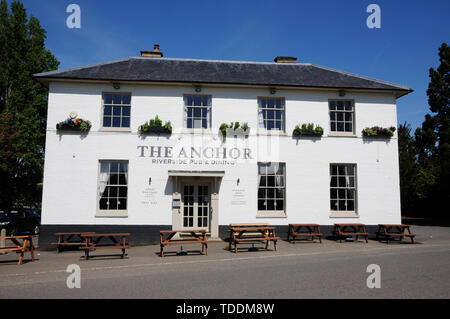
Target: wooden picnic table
x,y
70,239
253,234
195,236
311,230
390,231
92,242
21,247
344,230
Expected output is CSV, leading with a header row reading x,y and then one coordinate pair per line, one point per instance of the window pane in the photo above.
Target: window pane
x,y
333,204
113,179
113,191
270,125
116,121
126,121
340,116
206,100
114,167
189,123
270,205
261,205
279,193
112,203
351,205
108,110
117,99
197,112
122,204
341,170
333,126
103,203
197,100
332,105
350,194
107,121
126,99
197,123
341,193
340,105
341,205
271,181
333,169
190,112
348,127
126,111
270,115
262,193
270,193
348,116
107,98
333,116
340,127
204,123
348,105
341,181
123,191
333,193
280,205
333,182
270,103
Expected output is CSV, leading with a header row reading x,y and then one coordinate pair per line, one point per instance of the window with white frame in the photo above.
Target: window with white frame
x,y
197,111
116,110
113,186
271,113
343,188
342,115
271,188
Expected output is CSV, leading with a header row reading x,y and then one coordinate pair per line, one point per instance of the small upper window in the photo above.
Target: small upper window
x,y
271,113
197,111
342,115
116,110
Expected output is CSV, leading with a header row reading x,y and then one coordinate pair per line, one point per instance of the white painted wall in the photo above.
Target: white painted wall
x,y
71,162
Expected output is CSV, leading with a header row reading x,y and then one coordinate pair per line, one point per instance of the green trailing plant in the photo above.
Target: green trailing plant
x,y
245,126
223,128
308,129
155,126
74,125
377,131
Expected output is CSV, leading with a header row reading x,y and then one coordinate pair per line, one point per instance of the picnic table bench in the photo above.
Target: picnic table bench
x,y
242,233
20,247
344,230
67,239
311,230
92,242
195,236
390,231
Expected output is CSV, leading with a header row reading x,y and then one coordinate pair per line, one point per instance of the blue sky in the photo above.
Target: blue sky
x,y
324,32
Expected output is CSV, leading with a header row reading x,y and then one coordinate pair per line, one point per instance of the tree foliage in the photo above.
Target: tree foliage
x,y
23,102
425,157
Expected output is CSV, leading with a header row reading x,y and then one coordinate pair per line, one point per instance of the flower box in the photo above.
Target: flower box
x,y
237,132
75,125
308,130
378,132
156,130
154,126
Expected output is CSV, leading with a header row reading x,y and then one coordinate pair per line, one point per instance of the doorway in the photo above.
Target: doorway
x,y
196,205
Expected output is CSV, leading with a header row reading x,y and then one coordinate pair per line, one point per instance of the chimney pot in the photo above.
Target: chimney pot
x,y
156,53
285,59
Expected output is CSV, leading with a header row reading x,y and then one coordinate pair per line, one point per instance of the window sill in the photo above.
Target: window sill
x,y
335,134
344,215
112,214
271,215
196,131
115,129
272,133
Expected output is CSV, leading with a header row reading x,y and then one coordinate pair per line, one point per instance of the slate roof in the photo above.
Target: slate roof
x,y
221,72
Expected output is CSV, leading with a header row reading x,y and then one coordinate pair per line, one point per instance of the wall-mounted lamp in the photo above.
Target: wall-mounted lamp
x,y
238,181
149,181
198,88
342,93
273,91
116,86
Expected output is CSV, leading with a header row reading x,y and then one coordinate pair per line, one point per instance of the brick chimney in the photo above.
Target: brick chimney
x,y
285,59
152,54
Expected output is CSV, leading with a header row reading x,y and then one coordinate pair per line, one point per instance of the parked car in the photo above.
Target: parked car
x,y
19,221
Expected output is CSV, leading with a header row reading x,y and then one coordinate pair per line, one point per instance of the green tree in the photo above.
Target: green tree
x,y
23,100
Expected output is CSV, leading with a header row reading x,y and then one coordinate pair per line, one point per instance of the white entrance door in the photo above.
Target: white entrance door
x,y
196,201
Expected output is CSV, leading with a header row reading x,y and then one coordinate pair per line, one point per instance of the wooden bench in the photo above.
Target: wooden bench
x,y
253,233
344,230
390,231
312,230
195,236
67,240
92,242
21,247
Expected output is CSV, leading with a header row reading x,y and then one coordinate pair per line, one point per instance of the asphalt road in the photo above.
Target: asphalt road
x,y
304,270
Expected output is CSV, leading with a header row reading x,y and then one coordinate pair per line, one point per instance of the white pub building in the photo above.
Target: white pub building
x,y
194,173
